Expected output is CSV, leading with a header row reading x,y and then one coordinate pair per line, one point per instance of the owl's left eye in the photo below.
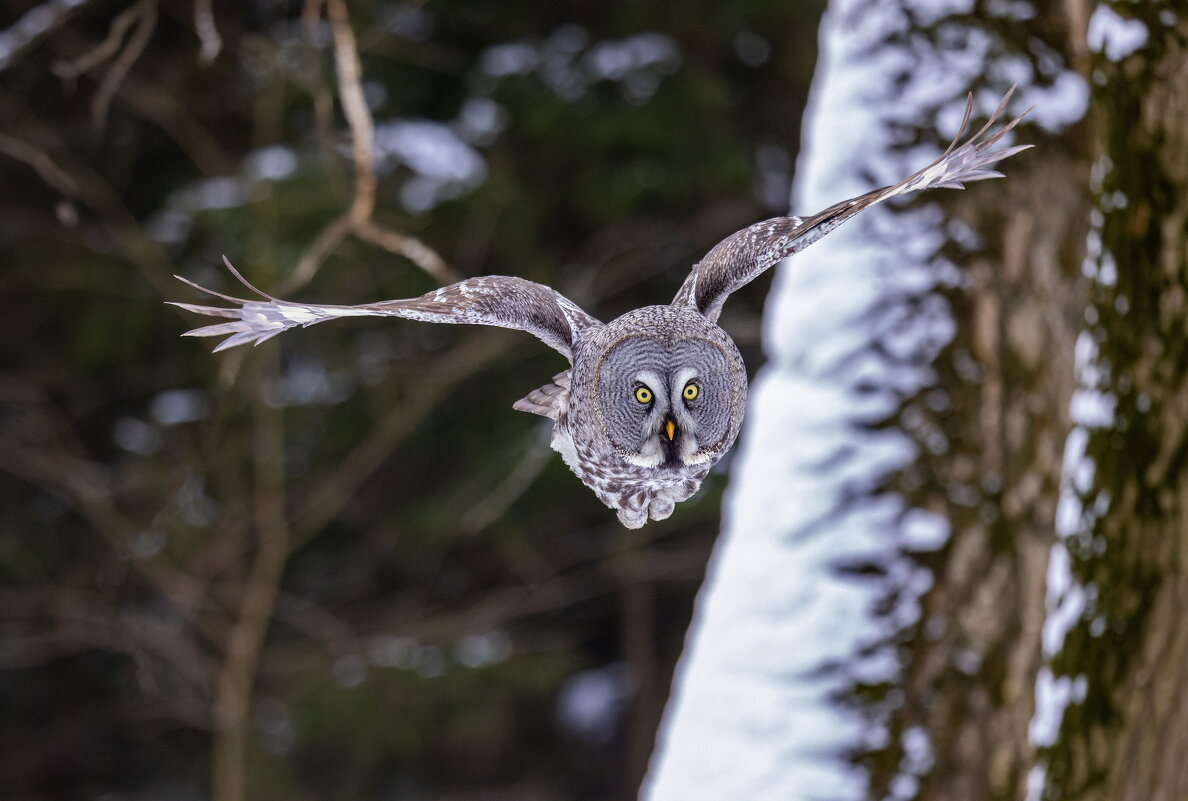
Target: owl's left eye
x,y
691,391
643,395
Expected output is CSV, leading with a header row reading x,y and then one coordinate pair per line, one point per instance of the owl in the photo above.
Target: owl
x,y
653,399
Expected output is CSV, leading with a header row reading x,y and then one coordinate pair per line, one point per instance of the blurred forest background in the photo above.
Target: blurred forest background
x,y
339,566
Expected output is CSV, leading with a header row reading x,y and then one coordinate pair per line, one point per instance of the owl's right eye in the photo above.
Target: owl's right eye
x,y
643,394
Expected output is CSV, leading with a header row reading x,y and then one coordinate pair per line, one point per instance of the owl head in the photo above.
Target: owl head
x,y
669,388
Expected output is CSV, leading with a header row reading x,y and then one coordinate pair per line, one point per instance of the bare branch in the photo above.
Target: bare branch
x,y
357,220
517,481
40,161
163,109
354,106
93,191
330,237
409,247
22,35
246,639
77,480
47,454
317,623
323,499
47,622
323,100
70,70
139,39
208,33
142,15
503,606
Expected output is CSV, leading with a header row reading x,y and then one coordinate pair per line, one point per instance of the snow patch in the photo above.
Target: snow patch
x,y
1114,35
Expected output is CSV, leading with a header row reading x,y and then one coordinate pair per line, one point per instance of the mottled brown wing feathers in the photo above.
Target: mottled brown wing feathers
x,y
496,300
743,256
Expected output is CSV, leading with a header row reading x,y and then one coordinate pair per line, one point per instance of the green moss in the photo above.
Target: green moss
x,y
1124,553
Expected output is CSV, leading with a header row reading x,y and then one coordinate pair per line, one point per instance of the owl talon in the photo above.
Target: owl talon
x,y
661,508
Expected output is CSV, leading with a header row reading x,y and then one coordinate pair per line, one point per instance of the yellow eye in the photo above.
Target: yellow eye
x,y
643,395
691,391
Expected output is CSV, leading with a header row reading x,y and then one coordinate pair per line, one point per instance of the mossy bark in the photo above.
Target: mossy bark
x,y
1129,736
971,670
991,435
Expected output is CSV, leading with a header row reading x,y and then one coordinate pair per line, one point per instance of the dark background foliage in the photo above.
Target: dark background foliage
x,y
339,566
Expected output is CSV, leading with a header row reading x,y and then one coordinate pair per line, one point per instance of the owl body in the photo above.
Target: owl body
x,y
654,398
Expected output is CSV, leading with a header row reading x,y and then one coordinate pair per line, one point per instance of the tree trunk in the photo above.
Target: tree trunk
x,y
1125,736
991,434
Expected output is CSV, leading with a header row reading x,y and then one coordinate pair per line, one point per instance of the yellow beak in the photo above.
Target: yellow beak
x,y
670,429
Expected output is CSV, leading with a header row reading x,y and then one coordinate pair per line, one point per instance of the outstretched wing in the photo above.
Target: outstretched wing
x,y
497,300
743,256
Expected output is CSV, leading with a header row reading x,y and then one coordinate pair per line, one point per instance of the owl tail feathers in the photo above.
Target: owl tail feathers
x,y
256,320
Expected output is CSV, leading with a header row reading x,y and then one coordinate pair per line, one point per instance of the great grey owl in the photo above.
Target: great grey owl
x,y
653,399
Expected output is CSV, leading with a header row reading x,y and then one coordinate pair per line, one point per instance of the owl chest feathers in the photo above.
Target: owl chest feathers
x,y
636,493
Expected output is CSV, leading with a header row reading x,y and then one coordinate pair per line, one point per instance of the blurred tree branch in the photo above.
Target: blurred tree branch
x,y
51,457
319,91
142,15
41,162
70,177
245,640
163,109
357,219
207,31
499,608
325,496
